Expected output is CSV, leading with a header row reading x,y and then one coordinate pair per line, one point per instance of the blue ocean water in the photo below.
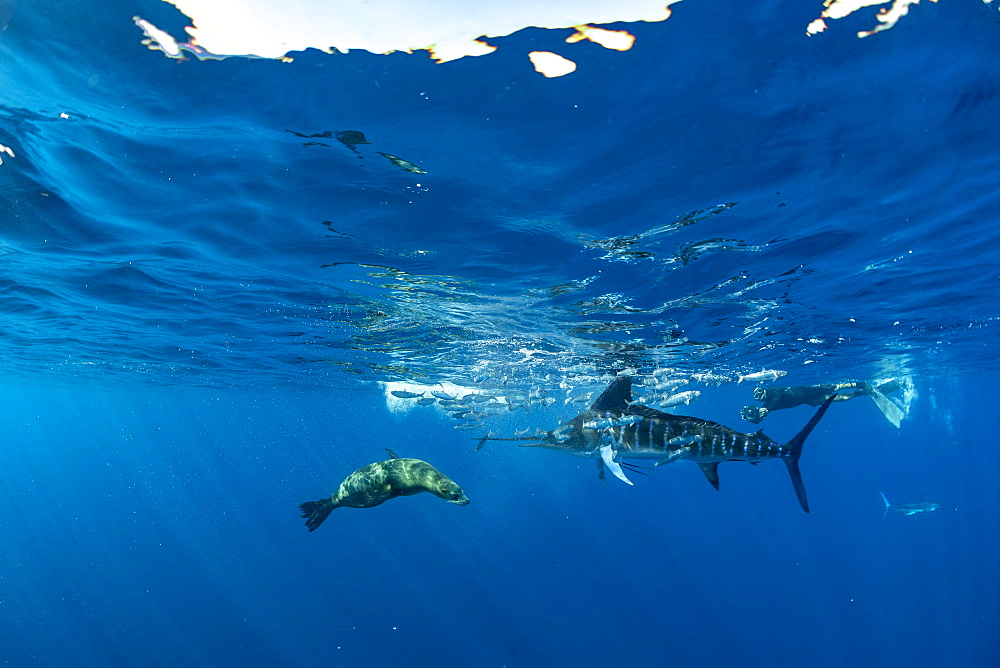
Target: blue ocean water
x,y
213,274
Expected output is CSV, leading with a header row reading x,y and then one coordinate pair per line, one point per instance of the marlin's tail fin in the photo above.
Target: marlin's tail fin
x,y
316,511
887,504
795,447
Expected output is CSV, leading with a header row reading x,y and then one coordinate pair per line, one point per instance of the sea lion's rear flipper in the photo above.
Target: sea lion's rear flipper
x,y
392,455
316,511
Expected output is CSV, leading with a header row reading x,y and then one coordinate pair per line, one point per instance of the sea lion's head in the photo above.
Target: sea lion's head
x,y
448,490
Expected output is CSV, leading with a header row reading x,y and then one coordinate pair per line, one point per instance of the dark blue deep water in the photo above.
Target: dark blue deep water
x,y
209,288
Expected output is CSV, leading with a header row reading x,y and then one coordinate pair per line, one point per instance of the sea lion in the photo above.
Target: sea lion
x,y
377,483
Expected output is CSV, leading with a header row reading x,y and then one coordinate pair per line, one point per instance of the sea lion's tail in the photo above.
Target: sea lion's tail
x,y
316,511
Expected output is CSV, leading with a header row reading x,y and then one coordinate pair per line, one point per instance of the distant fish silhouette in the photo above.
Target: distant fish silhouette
x,y
909,508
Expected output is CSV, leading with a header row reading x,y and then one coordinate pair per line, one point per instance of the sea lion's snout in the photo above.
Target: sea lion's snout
x,y
448,490
458,498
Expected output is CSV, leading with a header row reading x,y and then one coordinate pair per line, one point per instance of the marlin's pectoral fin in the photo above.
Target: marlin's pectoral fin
x,y
608,455
711,471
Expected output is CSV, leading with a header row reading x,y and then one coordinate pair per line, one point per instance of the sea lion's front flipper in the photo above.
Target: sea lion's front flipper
x,y
392,455
608,455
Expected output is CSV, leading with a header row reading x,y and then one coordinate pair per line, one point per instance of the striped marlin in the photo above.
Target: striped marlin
x,y
613,430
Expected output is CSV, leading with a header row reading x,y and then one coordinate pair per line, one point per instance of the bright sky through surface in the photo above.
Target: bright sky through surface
x,y
447,29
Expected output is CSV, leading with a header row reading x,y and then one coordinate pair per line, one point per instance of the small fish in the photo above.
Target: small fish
x,y
761,376
909,508
711,378
403,394
519,433
681,398
660,373
608,423
480,398
670,385
426,401
442,395
560,435
471,425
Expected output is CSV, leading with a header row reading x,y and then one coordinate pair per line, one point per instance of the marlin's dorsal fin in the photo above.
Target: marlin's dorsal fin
x,y
711,471
392,455
616,398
